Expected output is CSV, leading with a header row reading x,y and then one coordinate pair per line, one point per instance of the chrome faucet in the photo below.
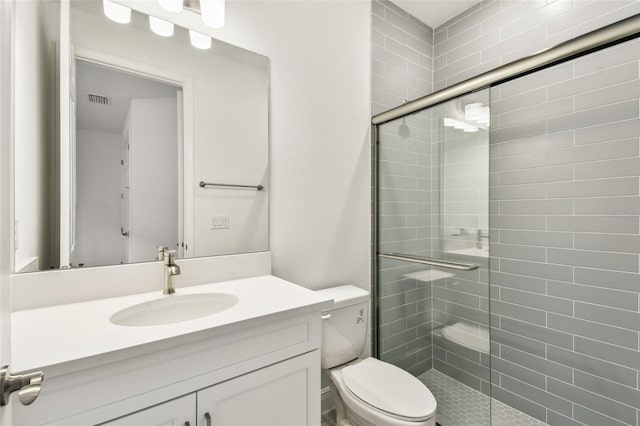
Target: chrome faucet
x,y
161,251
479,236
170,271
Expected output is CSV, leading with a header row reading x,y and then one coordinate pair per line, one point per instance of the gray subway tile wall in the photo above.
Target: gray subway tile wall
x,y
402,69
586,222
565,206
564,179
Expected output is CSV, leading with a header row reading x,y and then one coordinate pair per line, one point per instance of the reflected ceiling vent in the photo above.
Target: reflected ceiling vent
x,y
97,99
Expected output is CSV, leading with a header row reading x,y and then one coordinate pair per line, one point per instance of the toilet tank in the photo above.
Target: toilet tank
x,y
344,327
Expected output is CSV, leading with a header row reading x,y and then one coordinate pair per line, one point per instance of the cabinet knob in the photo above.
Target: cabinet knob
x,y
207,417
187,423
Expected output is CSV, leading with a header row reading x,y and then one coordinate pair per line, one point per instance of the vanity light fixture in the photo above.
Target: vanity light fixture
x,y
160,26
199,41
174,6
116,12
213,12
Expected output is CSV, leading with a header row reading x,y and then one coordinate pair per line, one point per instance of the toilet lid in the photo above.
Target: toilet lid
x,y
390,389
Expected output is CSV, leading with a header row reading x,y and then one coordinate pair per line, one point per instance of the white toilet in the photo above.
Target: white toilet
x,y
367,392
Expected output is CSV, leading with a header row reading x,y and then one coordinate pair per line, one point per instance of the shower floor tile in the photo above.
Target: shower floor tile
x,y
460,405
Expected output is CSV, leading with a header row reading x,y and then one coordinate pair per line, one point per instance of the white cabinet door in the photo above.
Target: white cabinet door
x,y
284,394
177,412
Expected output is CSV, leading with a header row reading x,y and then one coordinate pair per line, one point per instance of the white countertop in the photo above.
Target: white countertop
x,y
61,334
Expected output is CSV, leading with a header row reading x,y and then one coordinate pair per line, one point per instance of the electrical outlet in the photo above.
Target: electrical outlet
x,y
220,222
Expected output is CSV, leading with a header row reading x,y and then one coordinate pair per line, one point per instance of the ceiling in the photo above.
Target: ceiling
x,y
120,87
435,12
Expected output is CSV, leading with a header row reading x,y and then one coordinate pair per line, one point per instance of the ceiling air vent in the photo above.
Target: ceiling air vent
x,y
97,99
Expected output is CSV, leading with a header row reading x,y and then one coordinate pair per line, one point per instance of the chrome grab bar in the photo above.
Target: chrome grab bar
x,y
429,261
226,185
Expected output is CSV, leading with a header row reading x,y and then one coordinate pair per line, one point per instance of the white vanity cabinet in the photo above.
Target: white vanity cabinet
x,y
277,395
255,364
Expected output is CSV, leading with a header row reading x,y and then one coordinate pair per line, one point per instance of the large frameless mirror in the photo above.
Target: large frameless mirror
x,y
131,136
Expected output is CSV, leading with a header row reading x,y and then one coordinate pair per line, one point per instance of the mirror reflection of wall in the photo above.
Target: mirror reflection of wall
x,y
218,102
462,135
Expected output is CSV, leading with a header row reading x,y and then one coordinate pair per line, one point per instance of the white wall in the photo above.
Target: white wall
x,y
320,157
34,57
153,201
98,240
319,54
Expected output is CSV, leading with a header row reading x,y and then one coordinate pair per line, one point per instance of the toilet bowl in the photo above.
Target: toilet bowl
x,y
367,392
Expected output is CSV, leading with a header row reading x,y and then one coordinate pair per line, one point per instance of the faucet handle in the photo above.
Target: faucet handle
x,y
161,251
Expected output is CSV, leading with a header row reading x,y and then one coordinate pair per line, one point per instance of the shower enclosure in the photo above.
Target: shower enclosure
x,y
507,240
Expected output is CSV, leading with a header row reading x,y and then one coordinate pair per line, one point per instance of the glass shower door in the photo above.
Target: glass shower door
x,y
432,271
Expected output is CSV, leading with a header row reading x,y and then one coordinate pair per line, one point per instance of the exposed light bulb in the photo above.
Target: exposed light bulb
x,y
160,26
213,12
174,6
199,41
472,111
116,12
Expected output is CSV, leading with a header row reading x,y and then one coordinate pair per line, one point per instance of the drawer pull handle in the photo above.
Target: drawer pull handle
x,y
207,417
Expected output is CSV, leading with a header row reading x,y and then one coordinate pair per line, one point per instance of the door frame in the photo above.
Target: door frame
x,y
186,130
7,19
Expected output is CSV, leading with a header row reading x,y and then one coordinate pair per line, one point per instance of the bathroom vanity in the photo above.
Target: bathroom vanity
x,y
255,363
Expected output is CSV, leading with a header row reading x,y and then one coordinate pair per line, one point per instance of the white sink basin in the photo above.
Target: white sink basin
x,y
174,308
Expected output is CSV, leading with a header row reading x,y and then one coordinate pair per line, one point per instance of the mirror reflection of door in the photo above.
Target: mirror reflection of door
x,y
127,175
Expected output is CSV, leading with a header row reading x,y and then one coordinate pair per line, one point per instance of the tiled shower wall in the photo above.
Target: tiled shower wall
x,y
401,70
565,209
564,205
402,57
496,32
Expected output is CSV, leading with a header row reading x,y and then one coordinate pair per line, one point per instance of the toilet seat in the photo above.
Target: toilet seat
x,y
385,389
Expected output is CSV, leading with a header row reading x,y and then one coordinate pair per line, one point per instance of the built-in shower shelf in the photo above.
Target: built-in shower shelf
x,y
428,275
469,335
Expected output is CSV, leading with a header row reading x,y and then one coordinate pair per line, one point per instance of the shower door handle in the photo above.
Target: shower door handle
x,y
429,261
